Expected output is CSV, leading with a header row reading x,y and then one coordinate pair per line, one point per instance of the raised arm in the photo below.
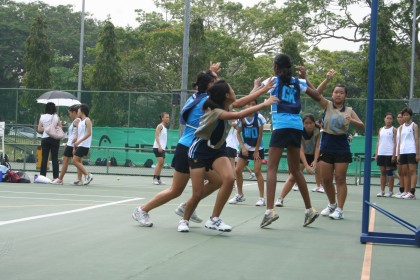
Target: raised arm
x,y
248,111
241,102
323,85
310,89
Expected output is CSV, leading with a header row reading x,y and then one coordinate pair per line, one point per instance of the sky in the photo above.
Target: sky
x,y
122,14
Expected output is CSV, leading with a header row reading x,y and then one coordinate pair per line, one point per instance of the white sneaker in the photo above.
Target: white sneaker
x,y
183,226
336,215
321,189
57,181
329,209
88,179
279,202
295,187
310,216
251,176
180,212
401,195
142,217
409,195
217,224
315,189
161,182
156,181
78,183
389,194
237,198
380,194
260,202
397,195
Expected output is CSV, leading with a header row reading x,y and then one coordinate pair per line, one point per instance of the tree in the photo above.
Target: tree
x,y
37,60
107,108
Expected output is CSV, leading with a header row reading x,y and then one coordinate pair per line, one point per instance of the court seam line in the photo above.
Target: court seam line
x,y
367,260
67,212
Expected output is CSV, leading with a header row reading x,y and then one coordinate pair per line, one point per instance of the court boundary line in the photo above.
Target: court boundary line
x,y
367,259
67,212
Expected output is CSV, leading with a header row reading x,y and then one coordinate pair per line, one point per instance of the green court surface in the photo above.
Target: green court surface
x,y
86,232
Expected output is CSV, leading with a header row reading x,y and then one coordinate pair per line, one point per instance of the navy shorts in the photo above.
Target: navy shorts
x,y
159,154
285,137
231,152
408,159
68,151
81,151
331,158
180,159
206,163
309,158
385,161
251,155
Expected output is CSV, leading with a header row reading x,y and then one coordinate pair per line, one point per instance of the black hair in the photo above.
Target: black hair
x,y
84,109
204,78
50,108
283,67
73,108
162,115
217,95
340,85
389,114
308,116
407,110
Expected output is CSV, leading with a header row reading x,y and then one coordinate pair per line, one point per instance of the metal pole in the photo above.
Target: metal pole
x,y
82,36
413,49
186,43
369,117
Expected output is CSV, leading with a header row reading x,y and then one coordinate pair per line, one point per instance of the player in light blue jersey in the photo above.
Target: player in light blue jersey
x,y
287,133
190,115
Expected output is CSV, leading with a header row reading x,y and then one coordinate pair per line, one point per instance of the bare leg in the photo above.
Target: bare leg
x,y
327,175
64,167
274,156
180,181
239,177
293,161
340,181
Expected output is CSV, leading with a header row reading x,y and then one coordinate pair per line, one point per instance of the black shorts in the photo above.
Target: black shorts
x,y
282,138
68,151
206,163
385,161
251,155
331,158
309,158
408,159
180,159
159,154
81,151
231,152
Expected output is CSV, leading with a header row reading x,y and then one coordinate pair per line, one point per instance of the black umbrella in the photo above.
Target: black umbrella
x,y
59,98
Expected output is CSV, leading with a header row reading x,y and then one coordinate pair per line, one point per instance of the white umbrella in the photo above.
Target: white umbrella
x,y
59,98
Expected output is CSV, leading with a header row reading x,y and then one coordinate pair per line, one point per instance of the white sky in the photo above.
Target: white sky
x,y
122,14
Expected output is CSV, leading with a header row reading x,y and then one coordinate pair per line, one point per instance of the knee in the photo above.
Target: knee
x,y
229,180
340,180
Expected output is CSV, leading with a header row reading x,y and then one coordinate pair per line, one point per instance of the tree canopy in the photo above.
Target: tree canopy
x,y
148,58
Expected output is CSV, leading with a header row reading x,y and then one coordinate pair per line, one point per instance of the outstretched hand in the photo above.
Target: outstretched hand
x,y
215,67
331,73
301,72
271,100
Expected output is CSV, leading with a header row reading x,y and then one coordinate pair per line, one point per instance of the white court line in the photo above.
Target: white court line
x,y
66,194
66,212
53,199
